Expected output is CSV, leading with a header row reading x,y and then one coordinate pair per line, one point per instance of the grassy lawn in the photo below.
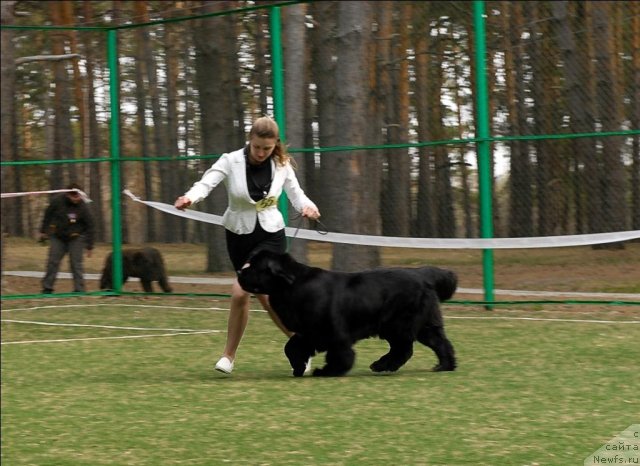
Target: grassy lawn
x,y
545,392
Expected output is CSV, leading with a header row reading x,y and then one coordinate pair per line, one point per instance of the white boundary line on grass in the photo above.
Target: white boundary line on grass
x,y
533,319
112,327
124,337
175,332
543,319
538,319
56,306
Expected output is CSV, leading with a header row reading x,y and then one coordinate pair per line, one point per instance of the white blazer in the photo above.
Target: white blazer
x,y
240,216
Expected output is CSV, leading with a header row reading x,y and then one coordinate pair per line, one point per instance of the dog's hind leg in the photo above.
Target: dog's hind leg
x,y
340,360
164,283
400,351
146,284
298,351
435,338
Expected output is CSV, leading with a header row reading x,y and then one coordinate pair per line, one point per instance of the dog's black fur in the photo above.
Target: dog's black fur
x,y
145,263
330,311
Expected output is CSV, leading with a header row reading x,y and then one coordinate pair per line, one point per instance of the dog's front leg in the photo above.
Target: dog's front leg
x,y
298,350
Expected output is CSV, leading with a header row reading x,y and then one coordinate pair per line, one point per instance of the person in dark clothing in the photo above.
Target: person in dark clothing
x,y
68,224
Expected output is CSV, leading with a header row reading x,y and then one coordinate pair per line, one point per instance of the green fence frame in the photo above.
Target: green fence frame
x,y
482,140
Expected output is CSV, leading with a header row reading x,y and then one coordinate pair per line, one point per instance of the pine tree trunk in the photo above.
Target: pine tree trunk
x,y
10,210
608,108
323,70
425,215
94,146
359,209
294,34
148,217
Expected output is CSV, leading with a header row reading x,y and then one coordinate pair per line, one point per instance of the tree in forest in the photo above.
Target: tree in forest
x,y
395,192
79,86
215,51
458,66
8,147
443,190
520,180
160,140
294,41
552,167
172,43
425,208
94,146
323,46
261,78
350,184
63,146
143,52
609,114
377,104
161,132
575,69
634,118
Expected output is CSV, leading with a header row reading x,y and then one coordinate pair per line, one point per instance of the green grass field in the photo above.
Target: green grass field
x,y
127,381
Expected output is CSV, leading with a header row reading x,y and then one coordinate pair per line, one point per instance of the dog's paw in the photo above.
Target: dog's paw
x,y
298,371
443,368
377,367
319,372
324,372
383,365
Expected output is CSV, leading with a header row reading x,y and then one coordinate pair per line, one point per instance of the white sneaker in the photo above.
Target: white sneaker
x,y
307,369
225,365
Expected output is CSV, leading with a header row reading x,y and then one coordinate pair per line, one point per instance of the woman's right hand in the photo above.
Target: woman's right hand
x,y
182,203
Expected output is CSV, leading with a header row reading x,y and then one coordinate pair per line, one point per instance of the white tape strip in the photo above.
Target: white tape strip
x,y
83,195
420,243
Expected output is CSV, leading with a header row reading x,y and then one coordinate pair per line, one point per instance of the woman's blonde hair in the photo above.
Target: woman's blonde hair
x,y
266,127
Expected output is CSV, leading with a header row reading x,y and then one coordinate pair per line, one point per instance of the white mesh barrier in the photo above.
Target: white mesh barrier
x,y
426,243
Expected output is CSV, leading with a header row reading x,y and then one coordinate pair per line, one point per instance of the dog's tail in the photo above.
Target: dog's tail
x,y
444,282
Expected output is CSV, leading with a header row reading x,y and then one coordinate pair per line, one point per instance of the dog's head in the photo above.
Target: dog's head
x,y
267,272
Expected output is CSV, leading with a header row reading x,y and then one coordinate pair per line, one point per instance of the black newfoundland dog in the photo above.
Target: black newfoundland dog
x,y
330,311
145,263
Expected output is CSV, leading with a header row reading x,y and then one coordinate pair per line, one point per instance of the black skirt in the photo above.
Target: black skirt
x,y
242,247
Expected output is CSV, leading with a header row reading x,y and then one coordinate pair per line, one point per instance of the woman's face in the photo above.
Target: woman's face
x,y
260,149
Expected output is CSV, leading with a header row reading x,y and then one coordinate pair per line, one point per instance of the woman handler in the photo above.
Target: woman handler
x,y
254,177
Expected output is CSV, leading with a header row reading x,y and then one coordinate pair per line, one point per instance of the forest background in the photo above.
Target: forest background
x,y
358,76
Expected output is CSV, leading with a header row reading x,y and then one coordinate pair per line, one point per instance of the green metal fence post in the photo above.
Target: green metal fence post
x,y
114,143
278,90
483,147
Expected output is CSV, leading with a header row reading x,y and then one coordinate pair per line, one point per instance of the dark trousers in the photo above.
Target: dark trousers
x,y
57,250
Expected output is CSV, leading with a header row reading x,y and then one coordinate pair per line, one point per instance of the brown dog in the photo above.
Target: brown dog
x,y
145,263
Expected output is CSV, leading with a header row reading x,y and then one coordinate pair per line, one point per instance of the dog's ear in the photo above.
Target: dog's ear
x,y
277,270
